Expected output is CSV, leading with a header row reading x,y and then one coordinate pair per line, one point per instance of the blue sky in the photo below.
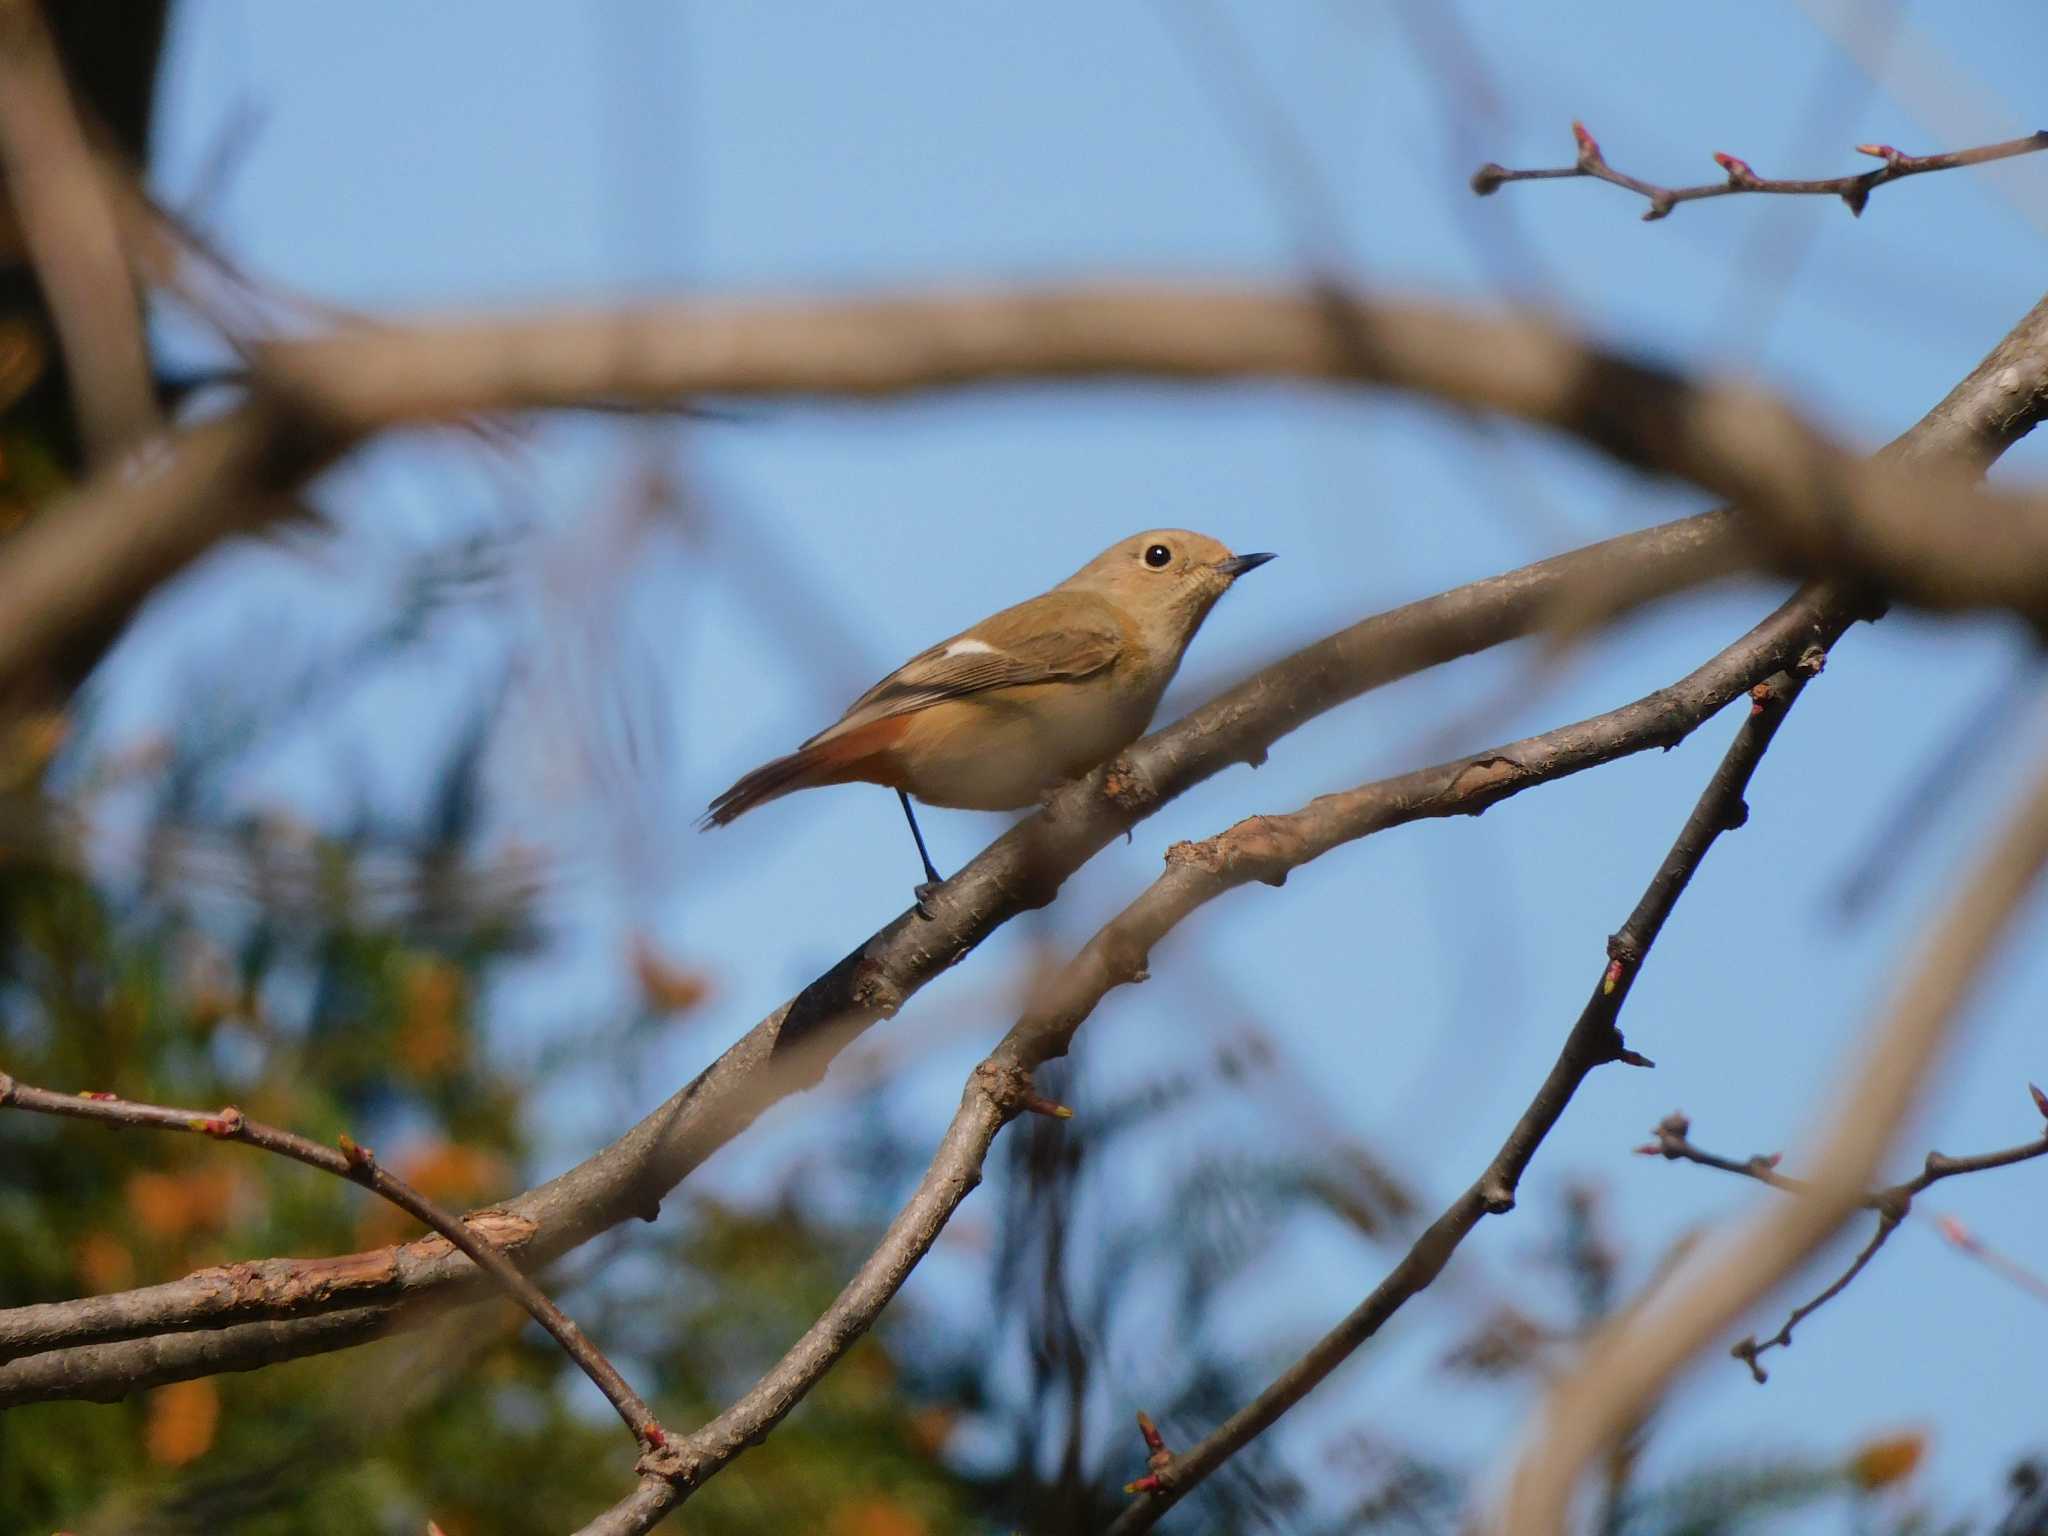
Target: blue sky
x,y
464,156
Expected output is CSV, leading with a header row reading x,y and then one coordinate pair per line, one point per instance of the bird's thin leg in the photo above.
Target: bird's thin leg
x,y
932,878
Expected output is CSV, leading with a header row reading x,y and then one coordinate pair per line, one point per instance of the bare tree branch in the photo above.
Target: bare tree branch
x,y
254,1314
359,1165
1262,849
69,226
1628,1363
1594,1040
1892,1204
237,1307
1853,190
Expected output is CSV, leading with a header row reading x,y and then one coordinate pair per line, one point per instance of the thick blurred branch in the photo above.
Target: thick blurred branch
x,y
257,1313
68,223
1853,190
1629,1363
1808,504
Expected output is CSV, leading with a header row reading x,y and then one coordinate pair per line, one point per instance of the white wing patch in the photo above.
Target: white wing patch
x,y
969,648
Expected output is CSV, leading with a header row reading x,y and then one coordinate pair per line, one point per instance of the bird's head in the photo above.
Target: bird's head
x,y
1166,579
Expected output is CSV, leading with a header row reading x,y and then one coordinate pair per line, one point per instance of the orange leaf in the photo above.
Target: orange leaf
x,y
169,1206
876,1517
157,1202
931,1428
667,987
104,1262
1880,1463
181,1422
432,993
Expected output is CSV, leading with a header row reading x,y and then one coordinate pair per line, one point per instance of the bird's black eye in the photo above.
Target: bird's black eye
x,y
1157,556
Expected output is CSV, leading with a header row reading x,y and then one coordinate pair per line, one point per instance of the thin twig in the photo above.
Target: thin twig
x,y
1594,1040
358,1164
1892,1204
1854,190
1670,1142
1746,1350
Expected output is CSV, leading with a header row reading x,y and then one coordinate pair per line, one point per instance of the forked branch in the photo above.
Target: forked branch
x,y
358,1164
1594,1040
1854,190
1892,1204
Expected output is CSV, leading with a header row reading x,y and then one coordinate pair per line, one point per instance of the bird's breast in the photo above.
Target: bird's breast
x,y
1002,749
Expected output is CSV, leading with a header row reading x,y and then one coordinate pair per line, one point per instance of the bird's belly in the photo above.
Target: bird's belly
x,y
1000,755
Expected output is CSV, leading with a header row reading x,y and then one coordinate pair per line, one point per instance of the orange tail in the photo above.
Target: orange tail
x,y
859,754
770,781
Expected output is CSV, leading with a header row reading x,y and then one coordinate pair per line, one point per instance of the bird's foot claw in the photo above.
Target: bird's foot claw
x,y
924,894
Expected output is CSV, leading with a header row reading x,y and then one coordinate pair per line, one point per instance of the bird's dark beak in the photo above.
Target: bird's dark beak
x,y
1237,565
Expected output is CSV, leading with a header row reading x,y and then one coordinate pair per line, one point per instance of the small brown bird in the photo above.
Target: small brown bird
x,y
1039,693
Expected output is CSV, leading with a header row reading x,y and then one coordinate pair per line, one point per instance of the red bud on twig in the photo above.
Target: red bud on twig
x,y
1739,173
1589,147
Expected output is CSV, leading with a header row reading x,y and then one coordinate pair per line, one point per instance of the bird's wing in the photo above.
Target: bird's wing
x,y
1084,638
